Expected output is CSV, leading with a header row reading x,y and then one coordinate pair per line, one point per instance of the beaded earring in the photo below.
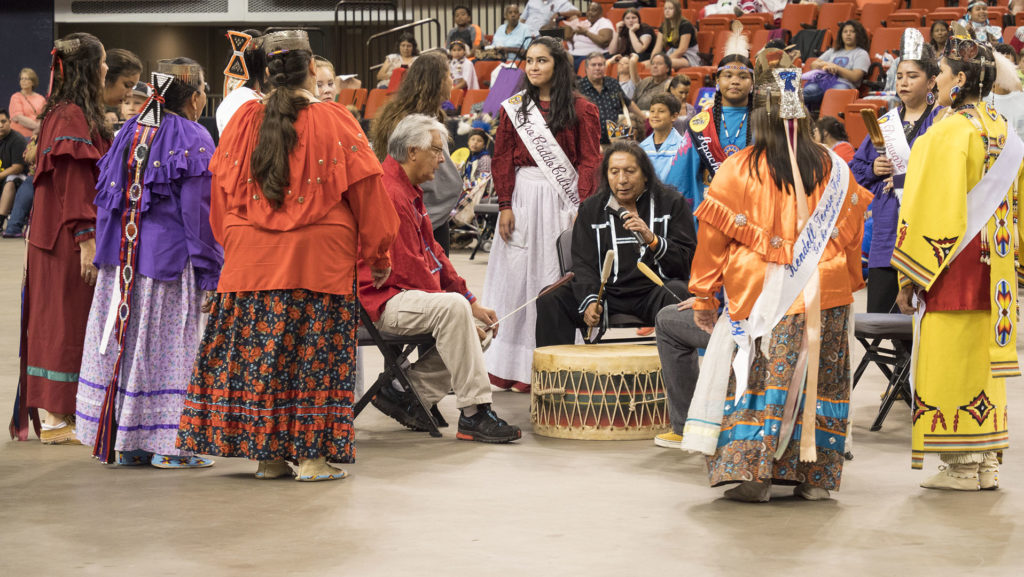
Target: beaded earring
x,y
930,98
954,92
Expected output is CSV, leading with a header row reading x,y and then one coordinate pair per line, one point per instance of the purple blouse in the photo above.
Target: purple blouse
x,y
885,209
174,224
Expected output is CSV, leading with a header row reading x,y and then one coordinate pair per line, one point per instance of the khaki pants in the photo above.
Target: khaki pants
x,y
458,360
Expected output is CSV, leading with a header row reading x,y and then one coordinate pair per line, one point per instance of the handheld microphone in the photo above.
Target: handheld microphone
x,y
623,214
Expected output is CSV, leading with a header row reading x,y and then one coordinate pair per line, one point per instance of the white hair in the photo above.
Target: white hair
x,y
414,131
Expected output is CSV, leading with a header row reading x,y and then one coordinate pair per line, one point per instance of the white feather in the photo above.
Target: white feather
x,y
737,44
1006,74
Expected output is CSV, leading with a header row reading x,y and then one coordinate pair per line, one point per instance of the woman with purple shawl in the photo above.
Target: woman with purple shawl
x,y
884,174
145,326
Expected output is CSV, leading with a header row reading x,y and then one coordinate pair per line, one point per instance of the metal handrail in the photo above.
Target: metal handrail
x,y
415,24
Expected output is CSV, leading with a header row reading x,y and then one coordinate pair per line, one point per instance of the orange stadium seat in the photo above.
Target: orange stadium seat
x,y
456,98
652,16
755,22
884,39
855,128
793,15
360,99
835,101
347,96
715,23
872,15
830,15
928,5
484,68
473,97
904,19
377,98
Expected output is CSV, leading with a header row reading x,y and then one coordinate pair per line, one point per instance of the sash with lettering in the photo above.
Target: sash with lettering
x,y
989,200
543,148
897,149
704,135
783,284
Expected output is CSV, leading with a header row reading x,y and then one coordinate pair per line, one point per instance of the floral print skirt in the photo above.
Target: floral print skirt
x,y
274,378
752,426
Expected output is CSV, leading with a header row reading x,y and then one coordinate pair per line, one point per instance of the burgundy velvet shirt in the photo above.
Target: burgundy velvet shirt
x,y
581,143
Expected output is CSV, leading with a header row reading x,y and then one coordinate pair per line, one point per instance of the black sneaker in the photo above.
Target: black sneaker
x,y
403,407
487,427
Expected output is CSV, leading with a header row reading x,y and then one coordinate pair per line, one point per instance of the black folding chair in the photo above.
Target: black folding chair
x,y
615,320
396,350
488,213
886,340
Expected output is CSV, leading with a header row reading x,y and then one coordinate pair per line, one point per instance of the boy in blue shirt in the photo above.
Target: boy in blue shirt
x,y
663,144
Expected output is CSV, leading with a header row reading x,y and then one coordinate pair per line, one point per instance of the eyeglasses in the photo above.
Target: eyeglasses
x,y
437,150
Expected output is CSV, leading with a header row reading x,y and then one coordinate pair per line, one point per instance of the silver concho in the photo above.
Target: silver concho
x,y
776,242
141,153
740,220
135,192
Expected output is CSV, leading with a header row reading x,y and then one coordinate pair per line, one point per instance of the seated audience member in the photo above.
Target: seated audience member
x,y
469,33
256,64
12,164
662,220
588,35
463,71
657,83
664,142
634,39
408,50
326,90
544,14
842,66
832,133
606,93
513,36
680,88
26,192
424,294
133,104
678,37
939,33
26,104
977,20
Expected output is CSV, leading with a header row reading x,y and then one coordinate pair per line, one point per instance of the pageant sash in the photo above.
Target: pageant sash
x,y
897,149
543,148
704,134
784,283
982,203
707,407
990,192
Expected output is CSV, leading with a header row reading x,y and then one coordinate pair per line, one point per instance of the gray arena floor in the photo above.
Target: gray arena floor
x,y
420,506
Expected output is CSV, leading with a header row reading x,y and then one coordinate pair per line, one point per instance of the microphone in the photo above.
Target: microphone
x,y
617,210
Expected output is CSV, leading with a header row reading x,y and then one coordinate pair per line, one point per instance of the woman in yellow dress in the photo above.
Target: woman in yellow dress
x,y
959,279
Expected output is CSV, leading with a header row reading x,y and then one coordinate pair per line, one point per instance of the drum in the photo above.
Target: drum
x,y
598,392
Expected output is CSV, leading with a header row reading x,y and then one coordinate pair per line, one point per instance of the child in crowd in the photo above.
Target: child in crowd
x,y
661,146
133,104
832,133
463,72
479,160
680,88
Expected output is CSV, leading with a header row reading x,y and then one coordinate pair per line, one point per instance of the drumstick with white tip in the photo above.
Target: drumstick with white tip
x,y
547,290
654,278
606,272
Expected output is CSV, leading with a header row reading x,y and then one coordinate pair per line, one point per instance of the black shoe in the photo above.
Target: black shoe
x,y
487,427
403,407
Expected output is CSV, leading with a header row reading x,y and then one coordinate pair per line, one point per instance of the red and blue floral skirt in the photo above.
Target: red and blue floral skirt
x,y
274,378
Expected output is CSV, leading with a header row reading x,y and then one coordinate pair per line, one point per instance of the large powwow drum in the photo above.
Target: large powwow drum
x,y
598,392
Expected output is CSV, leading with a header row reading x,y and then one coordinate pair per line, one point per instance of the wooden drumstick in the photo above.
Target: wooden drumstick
x,y
654,278
606,271
547,290
870,118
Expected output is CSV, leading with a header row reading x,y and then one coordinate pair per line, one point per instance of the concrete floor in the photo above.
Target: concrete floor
x,y
420,506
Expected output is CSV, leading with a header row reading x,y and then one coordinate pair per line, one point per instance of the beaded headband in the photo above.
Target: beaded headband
x,y
284,41
67,47
190,74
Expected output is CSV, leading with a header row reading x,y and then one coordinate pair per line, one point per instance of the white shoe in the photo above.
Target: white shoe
x,y
988,472
956,477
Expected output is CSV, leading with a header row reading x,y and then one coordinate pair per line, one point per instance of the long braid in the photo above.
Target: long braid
x,y
750,112
716,111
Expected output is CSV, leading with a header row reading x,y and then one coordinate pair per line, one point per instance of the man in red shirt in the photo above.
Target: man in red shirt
x,y
424,294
